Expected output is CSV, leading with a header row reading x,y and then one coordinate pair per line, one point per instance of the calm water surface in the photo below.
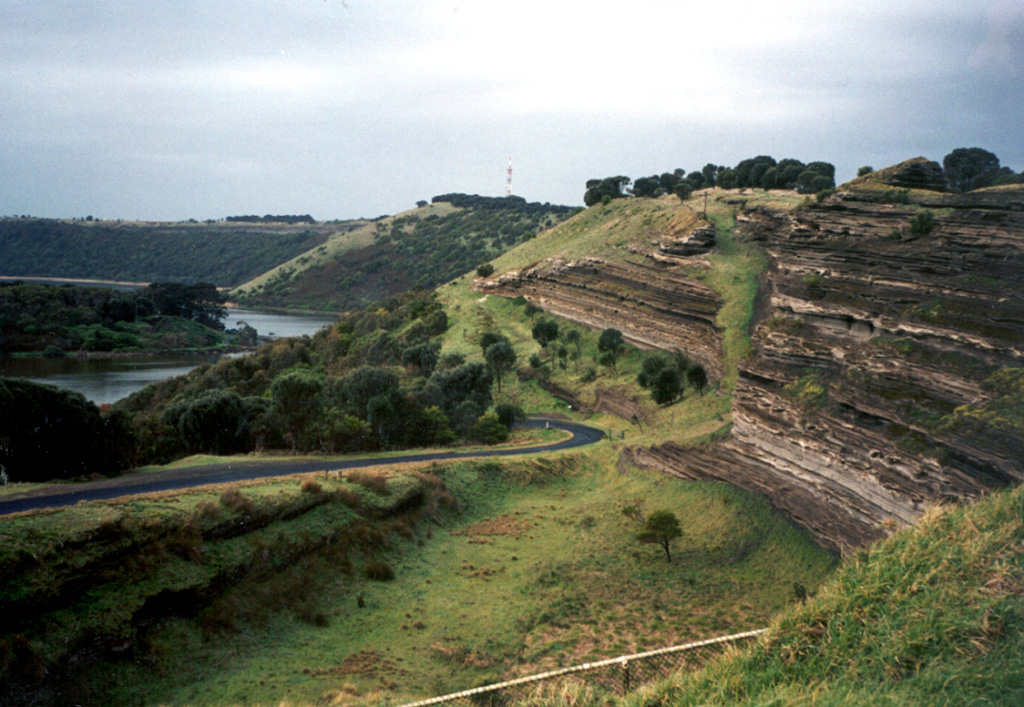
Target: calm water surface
x,y
107,380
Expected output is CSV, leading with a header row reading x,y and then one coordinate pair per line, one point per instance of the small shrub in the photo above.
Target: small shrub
x,y
207,509
485,270
236,501
187,541
52,351
311,486
589,375
894,196
490,470
375,481
349,497
923,223
378,571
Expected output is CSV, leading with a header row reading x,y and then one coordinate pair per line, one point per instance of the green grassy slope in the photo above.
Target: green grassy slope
x,y
537,568
422,247
931,616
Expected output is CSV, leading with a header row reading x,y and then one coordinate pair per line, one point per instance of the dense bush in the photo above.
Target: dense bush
x,y
50,433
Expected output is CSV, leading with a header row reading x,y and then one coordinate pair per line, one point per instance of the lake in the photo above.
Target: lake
x,y
107,380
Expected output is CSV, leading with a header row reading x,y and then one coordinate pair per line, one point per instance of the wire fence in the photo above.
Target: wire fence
x,y
615,675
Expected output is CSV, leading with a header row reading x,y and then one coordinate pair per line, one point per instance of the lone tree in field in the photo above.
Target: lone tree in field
x,y
544,332
661,528
501,358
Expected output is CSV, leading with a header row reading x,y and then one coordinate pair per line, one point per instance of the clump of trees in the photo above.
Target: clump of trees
x,y
377,379
50,433
666,376
38,317
761,172
969,168
271,218
602,191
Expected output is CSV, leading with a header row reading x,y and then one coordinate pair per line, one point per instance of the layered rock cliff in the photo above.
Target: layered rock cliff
x,y
890,334
886,374
653,303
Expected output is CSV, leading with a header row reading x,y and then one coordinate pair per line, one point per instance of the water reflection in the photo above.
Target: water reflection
x,y
107,380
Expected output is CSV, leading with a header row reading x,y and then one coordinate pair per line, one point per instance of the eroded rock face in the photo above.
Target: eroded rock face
x,y
875,336
653,304
876,333
918,174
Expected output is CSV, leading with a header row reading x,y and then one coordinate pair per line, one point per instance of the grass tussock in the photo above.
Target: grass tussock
x,y
932,615
374,480
379,571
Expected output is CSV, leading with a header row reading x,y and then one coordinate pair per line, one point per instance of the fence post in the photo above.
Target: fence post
x,y
625,675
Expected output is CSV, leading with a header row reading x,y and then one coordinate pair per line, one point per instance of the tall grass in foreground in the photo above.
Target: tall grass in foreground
x,y
933,615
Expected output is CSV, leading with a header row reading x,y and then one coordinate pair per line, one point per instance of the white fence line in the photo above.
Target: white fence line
x,y
623,661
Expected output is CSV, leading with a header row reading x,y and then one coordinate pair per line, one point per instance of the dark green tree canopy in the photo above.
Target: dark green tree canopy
x,y
697,377
667,385
201,302
661,528
967,168
612,187
470,381
50,433
501,358
611,340
545,331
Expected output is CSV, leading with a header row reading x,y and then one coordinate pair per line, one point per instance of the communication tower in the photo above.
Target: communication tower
x,y
508,178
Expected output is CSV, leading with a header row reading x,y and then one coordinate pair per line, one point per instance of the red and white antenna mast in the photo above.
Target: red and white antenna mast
x,y
508,178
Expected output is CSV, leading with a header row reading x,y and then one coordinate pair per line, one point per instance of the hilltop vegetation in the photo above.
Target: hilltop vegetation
x,y
420,248
225,254
161,317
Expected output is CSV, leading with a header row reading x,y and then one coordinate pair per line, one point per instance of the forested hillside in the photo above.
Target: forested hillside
x,y
423,247
161,317
223,253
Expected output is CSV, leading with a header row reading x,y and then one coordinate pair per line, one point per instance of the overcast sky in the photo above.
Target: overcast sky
x,y
343,109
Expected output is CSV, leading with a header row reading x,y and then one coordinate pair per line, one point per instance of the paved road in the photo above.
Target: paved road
x,y
54,497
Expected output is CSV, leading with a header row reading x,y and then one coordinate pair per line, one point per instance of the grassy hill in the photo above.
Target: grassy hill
x,y
933,615
224,253
508,568
423,247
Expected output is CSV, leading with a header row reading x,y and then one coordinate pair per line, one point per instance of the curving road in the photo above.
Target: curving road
x,y
53,497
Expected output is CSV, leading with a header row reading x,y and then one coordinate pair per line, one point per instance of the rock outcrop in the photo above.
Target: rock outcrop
x,y
883,333
888,372
918,174
654,304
